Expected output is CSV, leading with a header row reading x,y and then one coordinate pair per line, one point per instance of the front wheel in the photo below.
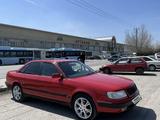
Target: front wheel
x,y
0,62
84,107
107,71
17,93
152,68
21,61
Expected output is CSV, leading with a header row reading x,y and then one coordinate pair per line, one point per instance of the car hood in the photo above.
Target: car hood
x,y
104,81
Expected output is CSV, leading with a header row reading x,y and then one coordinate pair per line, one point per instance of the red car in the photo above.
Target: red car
x,y
128,64
74,84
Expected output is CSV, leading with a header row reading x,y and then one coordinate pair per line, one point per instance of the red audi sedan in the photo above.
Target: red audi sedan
x,y
74,84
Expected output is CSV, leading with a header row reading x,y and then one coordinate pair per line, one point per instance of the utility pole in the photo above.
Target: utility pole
x,y
136,40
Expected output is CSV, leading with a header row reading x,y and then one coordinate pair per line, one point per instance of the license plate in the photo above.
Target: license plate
x,y
137,99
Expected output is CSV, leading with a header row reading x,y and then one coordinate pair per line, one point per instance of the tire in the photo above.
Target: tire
x,y
152,68
139,71
21,61
84,107
107,71
0,62
17,93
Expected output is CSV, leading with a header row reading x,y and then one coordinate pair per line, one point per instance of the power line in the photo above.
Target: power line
x,y
93,9
76,3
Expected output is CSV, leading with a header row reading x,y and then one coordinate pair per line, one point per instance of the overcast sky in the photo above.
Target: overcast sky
x,y
85,18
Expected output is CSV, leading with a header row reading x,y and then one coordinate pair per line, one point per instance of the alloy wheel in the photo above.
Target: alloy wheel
x,y
83,108
17,93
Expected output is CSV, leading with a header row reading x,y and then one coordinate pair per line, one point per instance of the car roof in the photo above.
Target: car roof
x,y
53,61
143,56
131,57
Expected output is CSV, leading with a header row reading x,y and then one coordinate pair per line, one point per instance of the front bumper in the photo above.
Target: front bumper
x,y
109,105
157,66
117,107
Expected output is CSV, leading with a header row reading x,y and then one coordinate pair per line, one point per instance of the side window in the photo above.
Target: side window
x,y
146,59
32,68
13,54
123,61
1,53
6,54
136,60
48,69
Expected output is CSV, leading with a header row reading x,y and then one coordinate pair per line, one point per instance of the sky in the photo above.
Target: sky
x,y
84,18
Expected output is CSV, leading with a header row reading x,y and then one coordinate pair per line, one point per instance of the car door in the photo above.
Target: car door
x,y
136,63
121,65
29,77
51,87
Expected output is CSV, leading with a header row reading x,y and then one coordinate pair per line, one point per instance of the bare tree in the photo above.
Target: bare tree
x,y
140,40
157,47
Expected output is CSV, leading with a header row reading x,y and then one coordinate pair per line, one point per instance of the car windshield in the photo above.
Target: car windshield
x,y
153,57
75,69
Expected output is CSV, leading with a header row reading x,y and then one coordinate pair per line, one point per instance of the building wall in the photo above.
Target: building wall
x,y
25,37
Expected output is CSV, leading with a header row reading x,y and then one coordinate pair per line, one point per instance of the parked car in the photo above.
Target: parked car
x,y
96,57
157,56
128,64
113,58
74,84
153,64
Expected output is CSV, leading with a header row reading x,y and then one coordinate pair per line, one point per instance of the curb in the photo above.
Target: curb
x,y
3,89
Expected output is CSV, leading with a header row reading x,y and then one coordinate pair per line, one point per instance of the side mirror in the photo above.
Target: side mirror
x,y
57,76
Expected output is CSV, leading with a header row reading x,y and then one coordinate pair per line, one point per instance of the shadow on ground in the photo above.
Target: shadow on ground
x,y
137,113
145,74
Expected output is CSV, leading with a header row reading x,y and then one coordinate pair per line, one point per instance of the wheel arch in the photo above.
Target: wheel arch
x,y
90,95
139,67
152,65
16,83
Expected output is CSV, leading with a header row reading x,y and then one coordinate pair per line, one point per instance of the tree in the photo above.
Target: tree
x,y
140,40
157,47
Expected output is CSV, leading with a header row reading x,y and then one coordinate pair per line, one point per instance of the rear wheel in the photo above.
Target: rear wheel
x,y
152,68
139,71
107,70
84,107
0,62
21,61
17,93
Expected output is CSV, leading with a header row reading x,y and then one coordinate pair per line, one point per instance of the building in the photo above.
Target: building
x,y
15,36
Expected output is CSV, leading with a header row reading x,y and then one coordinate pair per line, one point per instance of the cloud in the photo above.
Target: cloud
x,y
32,2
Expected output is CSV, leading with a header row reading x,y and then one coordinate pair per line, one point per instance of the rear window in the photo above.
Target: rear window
x,y
136,60
147,59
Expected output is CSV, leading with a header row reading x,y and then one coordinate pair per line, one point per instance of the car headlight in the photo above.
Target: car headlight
x,y
117,94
